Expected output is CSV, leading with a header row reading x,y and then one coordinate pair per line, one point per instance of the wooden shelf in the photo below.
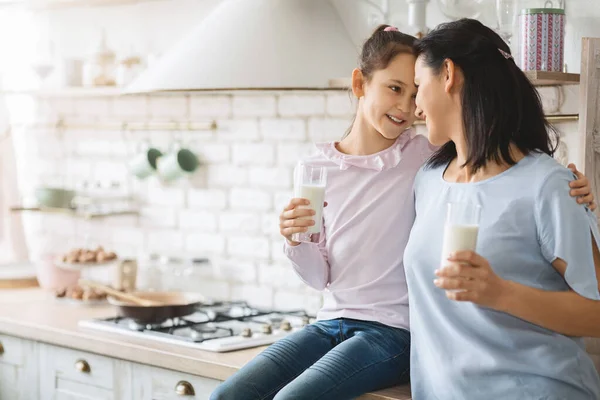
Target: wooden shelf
x,y
544,78
555,118
538,78
74,212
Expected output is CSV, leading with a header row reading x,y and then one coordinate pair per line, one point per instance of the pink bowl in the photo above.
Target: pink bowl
x,y
51,277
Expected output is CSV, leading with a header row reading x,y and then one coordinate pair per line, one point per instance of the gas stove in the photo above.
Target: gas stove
x,y
218,327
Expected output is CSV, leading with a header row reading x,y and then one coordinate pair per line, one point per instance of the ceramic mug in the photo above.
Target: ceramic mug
x,y
179,163
144,164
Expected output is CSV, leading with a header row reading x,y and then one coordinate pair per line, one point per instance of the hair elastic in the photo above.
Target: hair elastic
x,y
505,54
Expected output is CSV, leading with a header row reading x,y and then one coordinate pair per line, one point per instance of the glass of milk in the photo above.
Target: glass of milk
x,y
461,228
309,183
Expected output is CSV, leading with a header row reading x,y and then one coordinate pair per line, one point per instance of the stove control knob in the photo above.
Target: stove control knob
x,y
246,332
267,329
285,325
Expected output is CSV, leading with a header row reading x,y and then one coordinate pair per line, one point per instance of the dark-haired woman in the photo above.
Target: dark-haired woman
x,y
503,322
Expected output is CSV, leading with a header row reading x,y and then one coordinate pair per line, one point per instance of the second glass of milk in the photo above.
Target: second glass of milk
x,y
461,228
309,183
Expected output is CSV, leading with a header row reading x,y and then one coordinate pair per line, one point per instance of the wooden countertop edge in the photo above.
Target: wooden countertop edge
x,y
107,346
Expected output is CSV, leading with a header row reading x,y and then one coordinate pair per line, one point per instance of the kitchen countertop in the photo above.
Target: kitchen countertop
x,y
35,314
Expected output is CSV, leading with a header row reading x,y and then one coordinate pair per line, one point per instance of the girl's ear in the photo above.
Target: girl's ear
x,y
358,82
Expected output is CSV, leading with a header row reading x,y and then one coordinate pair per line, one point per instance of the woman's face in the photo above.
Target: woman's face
x,y
389,97
433,103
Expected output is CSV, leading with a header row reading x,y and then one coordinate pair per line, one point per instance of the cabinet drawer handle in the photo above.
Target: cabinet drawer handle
x,y
1,349
184,388
82,366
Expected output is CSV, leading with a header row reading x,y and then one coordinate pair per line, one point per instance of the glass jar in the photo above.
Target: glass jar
x,y
150,274
179,272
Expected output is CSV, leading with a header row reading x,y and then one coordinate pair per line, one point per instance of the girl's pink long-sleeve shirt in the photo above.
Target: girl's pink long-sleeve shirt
x,y
357,260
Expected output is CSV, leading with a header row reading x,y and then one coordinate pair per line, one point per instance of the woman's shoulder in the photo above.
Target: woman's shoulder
x,y
549,171
547,178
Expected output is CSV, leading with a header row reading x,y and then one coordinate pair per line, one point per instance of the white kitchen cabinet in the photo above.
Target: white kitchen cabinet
x,y
18,369
151,383
67,374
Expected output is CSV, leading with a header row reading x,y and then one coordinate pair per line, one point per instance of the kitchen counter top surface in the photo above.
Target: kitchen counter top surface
x,y
36,315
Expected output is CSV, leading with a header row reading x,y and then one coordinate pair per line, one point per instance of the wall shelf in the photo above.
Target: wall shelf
x,y
538,78
74,212
545,78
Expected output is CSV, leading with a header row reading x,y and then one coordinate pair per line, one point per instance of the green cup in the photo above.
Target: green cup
x,y
177,164
144,164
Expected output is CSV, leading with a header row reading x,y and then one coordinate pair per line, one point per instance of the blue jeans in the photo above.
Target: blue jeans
x,y
337,359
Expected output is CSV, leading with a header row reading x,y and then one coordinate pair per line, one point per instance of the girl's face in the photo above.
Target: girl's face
x,y
433,102
388,101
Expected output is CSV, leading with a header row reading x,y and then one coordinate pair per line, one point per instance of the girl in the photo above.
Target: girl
x,y
361,341
511,330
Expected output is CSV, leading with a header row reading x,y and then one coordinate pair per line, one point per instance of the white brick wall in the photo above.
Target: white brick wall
x,y
168,107
207,243
341,104
242,130
299,105
290,153
204,107
130,107
279,276
208,199
212,152
260,296
250,199
254,106
164,240
165,196
236,270
239,222
227,175
283,130
280,177
201,221
253,154
229,211
327,129
249,246
158,217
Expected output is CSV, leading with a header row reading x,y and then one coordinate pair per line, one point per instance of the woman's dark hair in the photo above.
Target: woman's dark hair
x,y
500,105
379,50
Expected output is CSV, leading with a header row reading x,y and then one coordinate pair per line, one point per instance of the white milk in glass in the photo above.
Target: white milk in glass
x,y
309,183
459,238
460,230
316,195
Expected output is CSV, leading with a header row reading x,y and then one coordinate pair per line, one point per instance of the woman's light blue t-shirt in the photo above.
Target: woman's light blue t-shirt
x,y
464,351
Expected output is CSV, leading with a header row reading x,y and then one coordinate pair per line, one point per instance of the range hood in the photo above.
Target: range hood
x,y
257,45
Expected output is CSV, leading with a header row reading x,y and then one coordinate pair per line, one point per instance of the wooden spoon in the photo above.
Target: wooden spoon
x,y
120,295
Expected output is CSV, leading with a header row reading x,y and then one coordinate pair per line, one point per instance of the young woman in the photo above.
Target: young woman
x,y
502,323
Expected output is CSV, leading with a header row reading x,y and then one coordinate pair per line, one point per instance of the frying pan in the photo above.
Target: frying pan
x,y
172,305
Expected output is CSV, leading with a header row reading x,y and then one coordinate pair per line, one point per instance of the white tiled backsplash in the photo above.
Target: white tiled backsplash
x,y
228,210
